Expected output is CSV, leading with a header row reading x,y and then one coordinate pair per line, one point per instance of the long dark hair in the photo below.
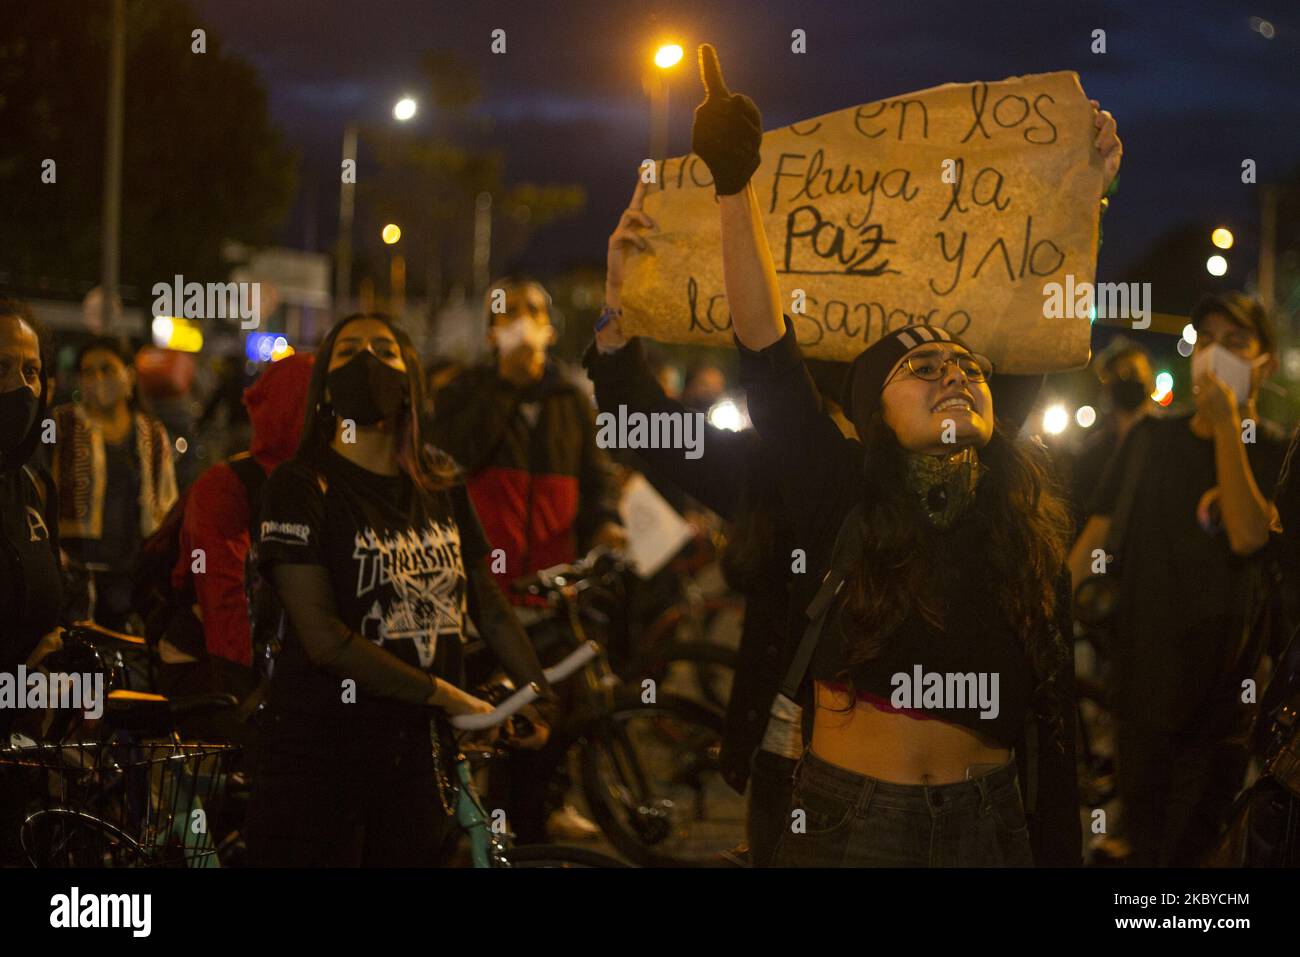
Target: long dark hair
x,y
1024,525
430,469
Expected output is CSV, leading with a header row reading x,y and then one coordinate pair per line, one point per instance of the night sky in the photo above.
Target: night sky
x,y
1194,88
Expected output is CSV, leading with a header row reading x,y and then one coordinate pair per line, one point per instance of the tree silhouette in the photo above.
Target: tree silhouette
x,y
201,163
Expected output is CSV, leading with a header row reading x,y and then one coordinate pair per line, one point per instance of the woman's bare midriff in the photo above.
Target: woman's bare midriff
x,y
894,747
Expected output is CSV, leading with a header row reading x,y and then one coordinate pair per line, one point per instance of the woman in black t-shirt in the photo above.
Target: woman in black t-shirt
x,y
374,550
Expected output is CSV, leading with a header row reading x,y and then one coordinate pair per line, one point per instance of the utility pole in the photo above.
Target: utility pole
x,y
110,242
347,198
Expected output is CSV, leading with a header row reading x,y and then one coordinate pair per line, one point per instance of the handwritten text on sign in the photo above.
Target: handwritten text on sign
x,y
952,206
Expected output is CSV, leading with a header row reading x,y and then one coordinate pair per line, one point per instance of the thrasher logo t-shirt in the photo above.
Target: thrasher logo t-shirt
x,y
396,560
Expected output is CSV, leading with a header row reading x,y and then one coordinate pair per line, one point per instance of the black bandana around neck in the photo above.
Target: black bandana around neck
x,y
944,485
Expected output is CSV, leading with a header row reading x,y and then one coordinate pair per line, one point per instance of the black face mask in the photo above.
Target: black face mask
x,y
366,389
1128,394
17,412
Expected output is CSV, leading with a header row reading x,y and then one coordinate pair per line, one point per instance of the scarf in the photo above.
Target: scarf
x,y
944,485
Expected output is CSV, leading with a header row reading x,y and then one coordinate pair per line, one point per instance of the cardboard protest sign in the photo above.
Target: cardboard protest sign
x,y
954,206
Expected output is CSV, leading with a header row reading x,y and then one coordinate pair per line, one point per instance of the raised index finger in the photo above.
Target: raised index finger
x,y
711,72
638,194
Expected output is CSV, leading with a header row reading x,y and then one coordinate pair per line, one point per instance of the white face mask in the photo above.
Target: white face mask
x,y
105,393
510,336
1232,369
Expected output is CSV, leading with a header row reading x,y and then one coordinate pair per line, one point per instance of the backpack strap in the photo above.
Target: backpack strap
x,y
41,490
845,554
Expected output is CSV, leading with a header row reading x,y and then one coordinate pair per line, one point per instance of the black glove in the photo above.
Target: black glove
x,y
728,129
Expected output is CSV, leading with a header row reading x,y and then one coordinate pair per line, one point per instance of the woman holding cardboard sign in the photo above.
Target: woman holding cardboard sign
x,y
936,659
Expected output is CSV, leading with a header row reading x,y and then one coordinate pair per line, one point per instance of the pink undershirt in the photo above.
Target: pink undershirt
x,y
879,703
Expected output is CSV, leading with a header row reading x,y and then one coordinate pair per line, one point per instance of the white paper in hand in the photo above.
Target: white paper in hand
x,y
655,532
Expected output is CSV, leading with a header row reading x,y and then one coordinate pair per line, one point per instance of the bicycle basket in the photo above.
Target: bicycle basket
x,y
119,804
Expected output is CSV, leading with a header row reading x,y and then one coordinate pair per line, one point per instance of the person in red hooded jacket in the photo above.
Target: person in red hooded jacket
x,y
216,524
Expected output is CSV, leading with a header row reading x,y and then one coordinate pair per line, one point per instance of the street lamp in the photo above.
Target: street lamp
x,y
666,57
1222,238
403,110
1216,265
396,271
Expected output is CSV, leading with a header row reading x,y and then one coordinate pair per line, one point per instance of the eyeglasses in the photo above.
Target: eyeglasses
x,y
931,364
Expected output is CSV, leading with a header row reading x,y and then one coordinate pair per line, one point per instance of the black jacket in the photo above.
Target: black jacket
x,y
31,593
818,479
541,485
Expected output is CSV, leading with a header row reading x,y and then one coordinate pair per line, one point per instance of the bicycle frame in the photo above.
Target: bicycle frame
x,y
485,848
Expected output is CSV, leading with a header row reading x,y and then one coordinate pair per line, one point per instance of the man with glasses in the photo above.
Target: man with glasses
x,y
1189,575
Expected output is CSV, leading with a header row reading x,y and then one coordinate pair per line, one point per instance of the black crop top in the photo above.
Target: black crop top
x,y
975,673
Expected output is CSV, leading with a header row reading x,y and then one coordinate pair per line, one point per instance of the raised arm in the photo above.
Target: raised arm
x,y
727,135
784,404
618,369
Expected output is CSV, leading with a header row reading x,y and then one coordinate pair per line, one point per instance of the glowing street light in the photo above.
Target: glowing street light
x,y
392,233
404,109
725,414
668,55
656,85
1216,265
1263,28
1086,416
1222,238
1055,420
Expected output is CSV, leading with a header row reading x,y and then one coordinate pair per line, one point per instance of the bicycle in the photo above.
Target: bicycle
x,y
689,645
122,790
648,758
488,848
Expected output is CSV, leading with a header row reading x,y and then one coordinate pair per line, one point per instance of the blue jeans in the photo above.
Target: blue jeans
x,y
770,782
855,821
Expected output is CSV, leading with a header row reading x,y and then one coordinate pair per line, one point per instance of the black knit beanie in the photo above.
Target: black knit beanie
x,y
866,377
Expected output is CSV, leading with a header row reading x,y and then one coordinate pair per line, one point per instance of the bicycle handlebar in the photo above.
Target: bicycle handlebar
x,y
525,696
572,663
92,632
558,576
498,715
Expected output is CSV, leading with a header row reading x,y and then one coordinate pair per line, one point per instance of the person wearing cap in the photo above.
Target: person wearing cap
x,y
935,548
1127,381
1189,576
761,740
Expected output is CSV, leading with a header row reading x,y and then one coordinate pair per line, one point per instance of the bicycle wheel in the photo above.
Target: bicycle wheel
x,y
559,855
650,777
699,669
691,649
61,837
